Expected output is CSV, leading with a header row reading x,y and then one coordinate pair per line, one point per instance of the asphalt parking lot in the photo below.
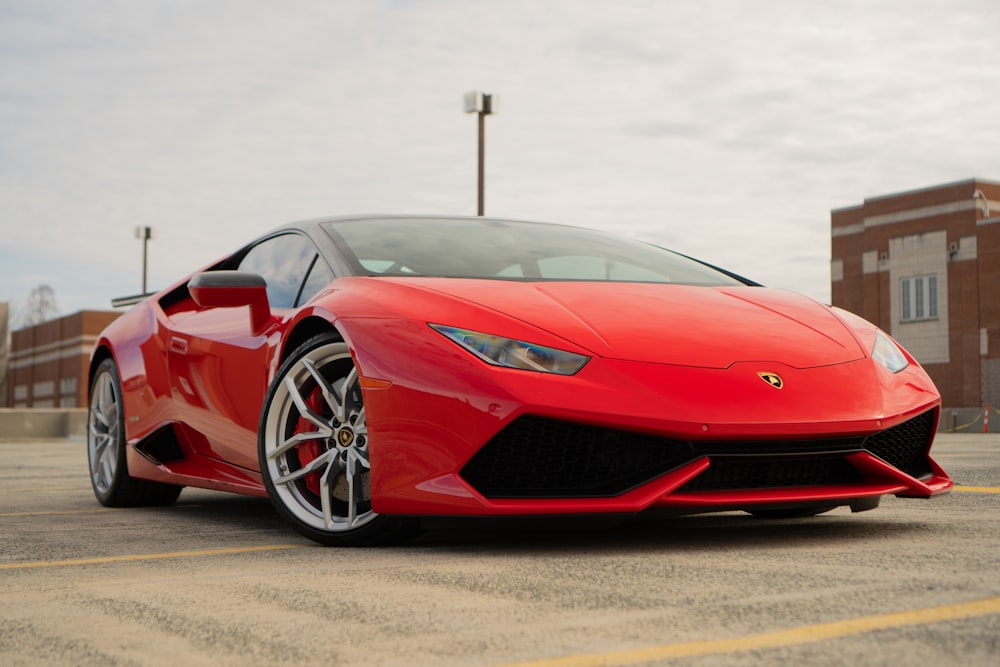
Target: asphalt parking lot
x,y
217,579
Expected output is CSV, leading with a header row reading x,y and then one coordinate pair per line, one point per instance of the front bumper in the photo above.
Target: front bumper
x,y
452,435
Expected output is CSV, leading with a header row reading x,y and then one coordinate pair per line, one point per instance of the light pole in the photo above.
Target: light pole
x,y
482,104
144,233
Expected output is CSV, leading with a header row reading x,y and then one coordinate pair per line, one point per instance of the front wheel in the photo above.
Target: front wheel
x,y
314,449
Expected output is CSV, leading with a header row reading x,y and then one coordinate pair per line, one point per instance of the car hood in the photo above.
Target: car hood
x,y
709,327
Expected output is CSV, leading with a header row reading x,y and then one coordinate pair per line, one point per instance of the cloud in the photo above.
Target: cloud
x,y
726,129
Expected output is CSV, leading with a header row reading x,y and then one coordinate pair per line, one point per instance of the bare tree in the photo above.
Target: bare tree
x,y
41,307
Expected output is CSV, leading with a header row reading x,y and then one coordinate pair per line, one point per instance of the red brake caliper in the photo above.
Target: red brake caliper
x,y
311,449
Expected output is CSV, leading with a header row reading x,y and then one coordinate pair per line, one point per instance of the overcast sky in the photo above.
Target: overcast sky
x,y
727,130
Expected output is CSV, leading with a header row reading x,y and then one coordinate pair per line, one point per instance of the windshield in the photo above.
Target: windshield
x,y
482,248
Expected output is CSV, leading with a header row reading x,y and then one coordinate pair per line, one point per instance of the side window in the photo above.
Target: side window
x,y
319,277
283,262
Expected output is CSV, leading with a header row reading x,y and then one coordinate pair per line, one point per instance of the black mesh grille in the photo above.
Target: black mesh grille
x,y
905,446
735,473
536,457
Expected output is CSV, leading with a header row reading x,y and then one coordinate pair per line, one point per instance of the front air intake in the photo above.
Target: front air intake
x,y
905,446
535,457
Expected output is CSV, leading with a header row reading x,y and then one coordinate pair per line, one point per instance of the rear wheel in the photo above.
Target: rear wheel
x,y
106,444
313,448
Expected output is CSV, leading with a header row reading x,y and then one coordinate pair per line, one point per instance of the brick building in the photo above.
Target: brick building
x,y
48,362
924,265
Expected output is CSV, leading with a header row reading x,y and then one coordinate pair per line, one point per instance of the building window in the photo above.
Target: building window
x,y
918,298
67,392
43,389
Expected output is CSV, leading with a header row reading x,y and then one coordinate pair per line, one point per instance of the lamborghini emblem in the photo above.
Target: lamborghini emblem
x,y
772,379
346,437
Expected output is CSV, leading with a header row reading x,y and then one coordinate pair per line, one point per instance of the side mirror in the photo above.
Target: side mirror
x,y
232,289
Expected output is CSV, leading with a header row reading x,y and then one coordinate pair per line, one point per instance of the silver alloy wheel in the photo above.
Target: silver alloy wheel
x,y
104,434
315,442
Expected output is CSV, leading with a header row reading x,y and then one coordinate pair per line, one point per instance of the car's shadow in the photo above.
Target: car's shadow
x,y
227,509
701,532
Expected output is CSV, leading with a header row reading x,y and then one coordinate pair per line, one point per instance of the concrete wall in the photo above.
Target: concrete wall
x,y
18,424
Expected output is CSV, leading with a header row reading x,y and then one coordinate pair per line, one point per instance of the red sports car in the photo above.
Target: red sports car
x,y
363,373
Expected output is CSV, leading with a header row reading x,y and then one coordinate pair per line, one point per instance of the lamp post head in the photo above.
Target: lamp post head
x,y
977,195
477,101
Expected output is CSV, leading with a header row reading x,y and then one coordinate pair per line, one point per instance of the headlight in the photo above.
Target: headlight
x,y
511,353
887,353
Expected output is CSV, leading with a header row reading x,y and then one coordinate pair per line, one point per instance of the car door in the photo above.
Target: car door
x,y
218,368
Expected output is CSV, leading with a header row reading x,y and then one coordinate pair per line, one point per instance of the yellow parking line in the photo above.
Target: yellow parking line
x,y
804,635
957,455
96,510
977,489
33,489
61,512
141,557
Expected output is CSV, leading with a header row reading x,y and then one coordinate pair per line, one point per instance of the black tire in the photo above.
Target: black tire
x,y
791,513
106,445
313,449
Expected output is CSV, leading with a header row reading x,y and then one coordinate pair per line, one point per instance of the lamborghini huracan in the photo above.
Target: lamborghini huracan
x,y
364,373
